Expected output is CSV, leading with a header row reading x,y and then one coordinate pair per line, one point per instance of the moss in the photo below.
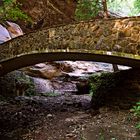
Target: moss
x,y
101,85
103,81
119,89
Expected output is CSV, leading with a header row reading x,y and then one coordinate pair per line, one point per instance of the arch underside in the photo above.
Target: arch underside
x,y
34,58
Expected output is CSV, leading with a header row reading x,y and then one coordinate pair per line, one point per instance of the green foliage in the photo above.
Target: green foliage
x,y
16,14
87,9
82,137
9,1
11,10
138,126
93,89
136,112
115,5
101,136
137,5
31,90
27,81
136,109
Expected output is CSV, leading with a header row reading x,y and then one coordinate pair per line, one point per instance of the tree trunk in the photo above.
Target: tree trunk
x,y
106,15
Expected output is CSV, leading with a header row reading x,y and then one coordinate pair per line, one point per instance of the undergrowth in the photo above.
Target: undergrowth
x,y
136,112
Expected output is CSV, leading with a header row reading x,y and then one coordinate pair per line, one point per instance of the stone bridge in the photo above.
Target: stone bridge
x,y
106,40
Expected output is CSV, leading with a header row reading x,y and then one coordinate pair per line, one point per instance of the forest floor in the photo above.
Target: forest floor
x,y
64,117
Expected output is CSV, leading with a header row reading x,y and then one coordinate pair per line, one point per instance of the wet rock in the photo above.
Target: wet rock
x,y
64,87
70,136
64,76
4,34
47,71
40,65
42,85
65,66
14,29
50,116
11,30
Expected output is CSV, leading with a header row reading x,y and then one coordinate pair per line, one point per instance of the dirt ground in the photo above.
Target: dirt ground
x,y
64,117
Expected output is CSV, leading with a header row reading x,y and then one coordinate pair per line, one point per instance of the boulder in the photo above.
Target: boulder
x,y
14,29
4,34
9,31
47,71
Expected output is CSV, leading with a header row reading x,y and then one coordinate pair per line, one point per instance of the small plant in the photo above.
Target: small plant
x,y
101,136
138,126
82,138
136,111
25,85
31,91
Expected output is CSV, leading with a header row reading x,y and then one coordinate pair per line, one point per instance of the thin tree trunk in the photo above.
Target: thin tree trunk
x,y
106,15
115,67
104,3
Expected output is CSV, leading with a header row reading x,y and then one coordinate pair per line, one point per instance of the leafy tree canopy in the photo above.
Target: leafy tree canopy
x,y
10,10
87,9
137,5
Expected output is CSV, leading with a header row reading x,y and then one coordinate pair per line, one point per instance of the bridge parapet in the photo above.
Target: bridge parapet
x,y
119,36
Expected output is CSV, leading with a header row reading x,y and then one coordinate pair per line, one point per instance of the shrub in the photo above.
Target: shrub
x,y
136,111
10,10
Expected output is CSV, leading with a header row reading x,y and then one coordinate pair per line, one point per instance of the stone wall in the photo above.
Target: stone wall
x,y
121,89
117,37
